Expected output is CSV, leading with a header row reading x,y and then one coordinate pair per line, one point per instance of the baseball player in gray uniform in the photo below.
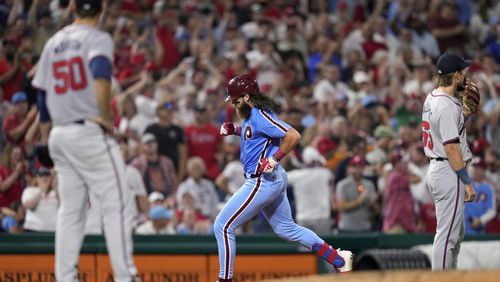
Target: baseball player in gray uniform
x,y
444,141
73,78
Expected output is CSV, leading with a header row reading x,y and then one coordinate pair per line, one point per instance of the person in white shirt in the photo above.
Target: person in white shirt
x,y
41,203
327,89
201,188
160,222
312,188
232,177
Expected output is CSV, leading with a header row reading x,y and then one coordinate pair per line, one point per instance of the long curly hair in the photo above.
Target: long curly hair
x,y
265,103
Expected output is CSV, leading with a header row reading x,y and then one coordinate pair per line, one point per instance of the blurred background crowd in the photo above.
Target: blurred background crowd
x,y
351,77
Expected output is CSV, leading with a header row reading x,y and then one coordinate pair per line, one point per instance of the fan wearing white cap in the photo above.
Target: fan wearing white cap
x,y
312,188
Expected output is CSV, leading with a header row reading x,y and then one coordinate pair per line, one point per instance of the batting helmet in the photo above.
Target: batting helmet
x,y
241,85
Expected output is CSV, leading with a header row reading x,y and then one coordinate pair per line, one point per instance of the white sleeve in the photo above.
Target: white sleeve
x,y
180,191
40,81
101,46
135,182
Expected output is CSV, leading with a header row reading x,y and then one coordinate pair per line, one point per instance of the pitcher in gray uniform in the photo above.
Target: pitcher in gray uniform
x,y
444,141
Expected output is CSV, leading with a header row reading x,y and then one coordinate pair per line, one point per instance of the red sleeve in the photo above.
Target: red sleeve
x,y
4,66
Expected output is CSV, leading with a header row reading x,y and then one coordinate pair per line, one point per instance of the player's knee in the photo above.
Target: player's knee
x,y
219,225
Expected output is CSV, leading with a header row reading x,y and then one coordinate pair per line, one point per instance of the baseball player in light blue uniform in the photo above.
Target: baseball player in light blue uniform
x,y
265,140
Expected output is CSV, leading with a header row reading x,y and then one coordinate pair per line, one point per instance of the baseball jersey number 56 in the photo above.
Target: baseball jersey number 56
x,y
426,135
69,74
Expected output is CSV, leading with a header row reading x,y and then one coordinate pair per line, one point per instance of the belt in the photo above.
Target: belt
x,y
439,159
251,175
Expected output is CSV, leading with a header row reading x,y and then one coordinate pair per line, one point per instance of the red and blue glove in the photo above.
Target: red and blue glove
x,y
228,128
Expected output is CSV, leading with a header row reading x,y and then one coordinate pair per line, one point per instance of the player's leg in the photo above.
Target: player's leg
x,y
71,215
448,193
279,215
456,251
240,208
109,186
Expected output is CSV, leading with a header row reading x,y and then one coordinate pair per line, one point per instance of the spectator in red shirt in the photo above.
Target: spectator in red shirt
x,y
447,29
16,124
12,176
399,216
204,141
164,31
12,68
427,218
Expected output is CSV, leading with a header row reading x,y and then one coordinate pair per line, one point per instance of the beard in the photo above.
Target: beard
x,y
461,86
244,111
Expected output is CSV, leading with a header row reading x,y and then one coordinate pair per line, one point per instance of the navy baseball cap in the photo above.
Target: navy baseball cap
x,y
86,5
451,62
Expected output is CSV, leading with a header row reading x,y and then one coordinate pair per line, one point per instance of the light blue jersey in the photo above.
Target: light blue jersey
x,y
484,201
260,138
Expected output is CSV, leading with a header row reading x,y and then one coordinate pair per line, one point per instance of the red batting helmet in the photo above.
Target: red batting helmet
x,y
241,85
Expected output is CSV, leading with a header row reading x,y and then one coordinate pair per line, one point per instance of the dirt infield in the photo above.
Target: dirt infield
x,y
403,276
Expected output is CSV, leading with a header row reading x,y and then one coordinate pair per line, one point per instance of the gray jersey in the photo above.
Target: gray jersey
x,y
443,122
63,72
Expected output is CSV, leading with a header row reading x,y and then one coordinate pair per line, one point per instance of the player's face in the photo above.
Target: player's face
x,y
460,78
242,107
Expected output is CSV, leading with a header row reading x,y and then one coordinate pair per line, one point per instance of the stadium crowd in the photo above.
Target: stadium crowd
x,y
351,77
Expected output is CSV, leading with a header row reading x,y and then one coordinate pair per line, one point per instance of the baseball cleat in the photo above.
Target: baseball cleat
x,y
347,258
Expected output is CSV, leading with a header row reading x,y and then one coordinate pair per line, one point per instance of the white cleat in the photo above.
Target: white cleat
x,y
348,259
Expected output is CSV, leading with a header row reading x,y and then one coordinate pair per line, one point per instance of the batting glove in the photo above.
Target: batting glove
x,y
267,165
228,128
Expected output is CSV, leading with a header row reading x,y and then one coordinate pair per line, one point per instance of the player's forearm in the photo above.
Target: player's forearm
x,y
44,132
290,140
454,155
102,88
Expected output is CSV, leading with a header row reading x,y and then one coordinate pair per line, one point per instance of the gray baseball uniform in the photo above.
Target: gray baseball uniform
x,y
443,123
86,159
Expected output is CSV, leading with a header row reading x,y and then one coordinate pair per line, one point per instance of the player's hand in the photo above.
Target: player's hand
x,y
227,128
267,165
470,194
